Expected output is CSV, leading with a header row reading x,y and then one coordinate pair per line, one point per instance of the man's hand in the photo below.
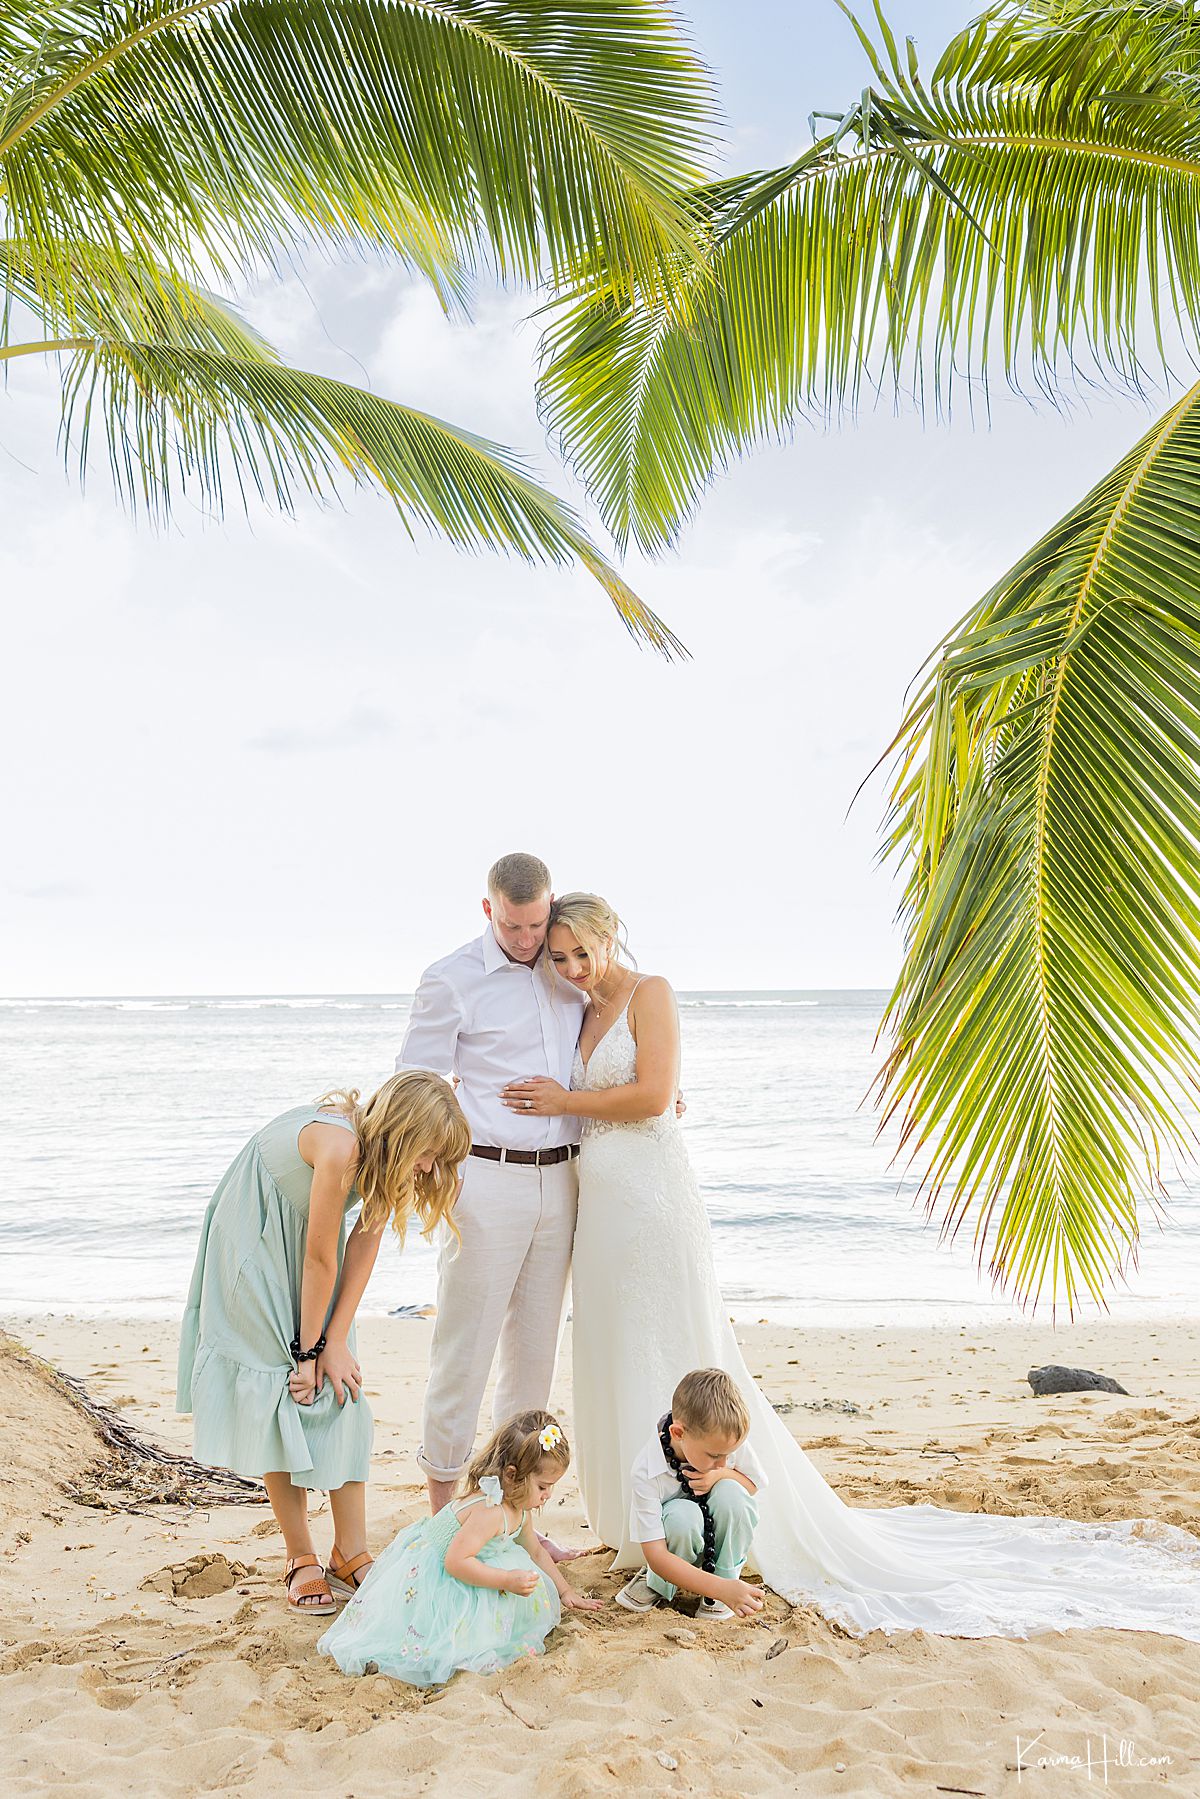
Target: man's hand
x,y
680,1107
538,1097
337,1364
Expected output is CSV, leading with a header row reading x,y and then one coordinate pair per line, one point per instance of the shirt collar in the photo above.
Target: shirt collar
x,y
660,1464
494,957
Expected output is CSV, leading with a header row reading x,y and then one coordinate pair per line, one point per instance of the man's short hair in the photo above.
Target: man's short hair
x,y
518,878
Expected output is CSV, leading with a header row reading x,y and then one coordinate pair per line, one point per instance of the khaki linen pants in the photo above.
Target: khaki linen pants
x,y
505,1286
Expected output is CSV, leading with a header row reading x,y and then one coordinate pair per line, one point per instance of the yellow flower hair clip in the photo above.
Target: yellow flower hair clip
x,y
549,1437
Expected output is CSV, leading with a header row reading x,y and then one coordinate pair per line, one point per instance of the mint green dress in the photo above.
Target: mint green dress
x,y
242,1312
412,1620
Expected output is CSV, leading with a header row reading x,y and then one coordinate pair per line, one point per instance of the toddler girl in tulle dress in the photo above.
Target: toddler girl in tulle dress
x,y
472,1587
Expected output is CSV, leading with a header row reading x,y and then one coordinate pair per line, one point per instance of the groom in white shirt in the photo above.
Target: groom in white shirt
x,y
491,1013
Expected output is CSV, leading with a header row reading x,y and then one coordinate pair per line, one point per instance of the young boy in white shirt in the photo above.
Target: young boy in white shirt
x,y
692,1507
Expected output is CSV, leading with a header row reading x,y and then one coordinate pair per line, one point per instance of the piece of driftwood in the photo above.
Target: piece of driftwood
x,y
1053,1379
139,1472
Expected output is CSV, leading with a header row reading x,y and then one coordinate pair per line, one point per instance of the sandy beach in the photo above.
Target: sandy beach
x,y
148,1651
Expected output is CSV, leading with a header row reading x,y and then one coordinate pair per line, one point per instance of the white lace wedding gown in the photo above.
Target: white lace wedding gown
x,y
647,1309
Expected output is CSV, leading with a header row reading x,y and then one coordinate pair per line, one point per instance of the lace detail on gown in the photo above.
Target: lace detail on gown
x,y
614,1064
643,1168
647,1308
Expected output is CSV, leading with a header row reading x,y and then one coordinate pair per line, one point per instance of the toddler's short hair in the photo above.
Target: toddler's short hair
x,y
706,1399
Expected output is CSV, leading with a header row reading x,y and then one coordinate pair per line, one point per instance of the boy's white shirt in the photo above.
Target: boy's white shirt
x,y
653,1484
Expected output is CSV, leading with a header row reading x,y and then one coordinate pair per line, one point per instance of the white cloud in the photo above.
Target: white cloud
x,y
362,724
478,374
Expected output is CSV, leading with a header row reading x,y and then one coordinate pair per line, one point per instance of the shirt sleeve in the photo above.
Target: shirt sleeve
x,y
747,1463
431,1040
645,1507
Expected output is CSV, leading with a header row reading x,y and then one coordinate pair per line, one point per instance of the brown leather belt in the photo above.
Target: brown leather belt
x,y
526,1158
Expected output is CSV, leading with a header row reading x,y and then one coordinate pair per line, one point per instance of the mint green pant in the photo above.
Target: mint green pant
x,y
735,1516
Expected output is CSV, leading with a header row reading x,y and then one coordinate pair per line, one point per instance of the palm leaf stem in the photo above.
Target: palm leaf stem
x,y
49,348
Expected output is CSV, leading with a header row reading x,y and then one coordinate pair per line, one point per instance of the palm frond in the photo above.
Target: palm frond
x,y
122,296
179,418
546,135
1047,798
1034,206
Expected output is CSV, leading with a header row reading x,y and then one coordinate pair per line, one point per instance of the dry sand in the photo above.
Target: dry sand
x,y
149,1652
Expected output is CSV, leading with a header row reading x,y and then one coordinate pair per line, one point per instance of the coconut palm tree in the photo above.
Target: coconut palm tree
x,y
1032,207
155,151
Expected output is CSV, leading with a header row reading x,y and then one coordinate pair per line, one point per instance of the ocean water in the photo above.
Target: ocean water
x,y
120,1115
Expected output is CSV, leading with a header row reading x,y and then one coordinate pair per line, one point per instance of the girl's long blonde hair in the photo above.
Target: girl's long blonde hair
x,y
413,1115
597,929
522,1444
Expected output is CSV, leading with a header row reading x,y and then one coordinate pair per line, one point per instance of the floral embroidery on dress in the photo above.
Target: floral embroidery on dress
x,y
418,1623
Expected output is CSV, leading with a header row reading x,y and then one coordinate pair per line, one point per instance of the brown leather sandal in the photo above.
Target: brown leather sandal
x,y
346,1577
311,1596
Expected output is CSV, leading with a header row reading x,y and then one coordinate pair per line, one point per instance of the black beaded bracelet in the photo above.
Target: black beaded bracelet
x,y
305,1355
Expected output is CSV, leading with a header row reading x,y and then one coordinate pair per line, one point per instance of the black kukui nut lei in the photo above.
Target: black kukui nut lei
x,y
305,1355
709,1560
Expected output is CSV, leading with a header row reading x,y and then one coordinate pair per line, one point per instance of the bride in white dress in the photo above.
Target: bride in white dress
x,y
647,1309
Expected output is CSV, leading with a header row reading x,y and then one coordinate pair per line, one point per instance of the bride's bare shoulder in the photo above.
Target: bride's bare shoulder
x,y
653,991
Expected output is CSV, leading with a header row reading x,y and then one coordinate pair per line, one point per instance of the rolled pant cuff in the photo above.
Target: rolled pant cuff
x,y
433,1473
666,1591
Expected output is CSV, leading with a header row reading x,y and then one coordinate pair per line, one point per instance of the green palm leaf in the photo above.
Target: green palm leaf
x,y
123,296
1048,795
186,419
549,135
150,145
190,398
1027,207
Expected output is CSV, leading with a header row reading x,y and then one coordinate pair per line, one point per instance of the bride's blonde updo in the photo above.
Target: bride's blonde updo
x,y
596,926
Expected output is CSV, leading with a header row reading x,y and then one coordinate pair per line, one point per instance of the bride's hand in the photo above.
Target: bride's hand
x,y
539,1097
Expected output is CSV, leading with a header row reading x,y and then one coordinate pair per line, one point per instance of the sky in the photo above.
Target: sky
x,y
276,755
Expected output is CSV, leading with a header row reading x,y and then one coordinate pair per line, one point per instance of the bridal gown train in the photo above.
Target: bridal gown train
x,y
647,1309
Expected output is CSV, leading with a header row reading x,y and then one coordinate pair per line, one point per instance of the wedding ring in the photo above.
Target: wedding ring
x,y
528,1105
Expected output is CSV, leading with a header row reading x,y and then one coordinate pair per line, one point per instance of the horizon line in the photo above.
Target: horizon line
x,y
396,993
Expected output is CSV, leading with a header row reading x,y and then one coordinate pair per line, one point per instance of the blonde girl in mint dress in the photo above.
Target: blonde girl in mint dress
x,y
267,1358
471,1588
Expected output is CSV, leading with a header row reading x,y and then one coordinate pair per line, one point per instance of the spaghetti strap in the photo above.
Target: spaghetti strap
x,y
459,1506
626,1006
327,1115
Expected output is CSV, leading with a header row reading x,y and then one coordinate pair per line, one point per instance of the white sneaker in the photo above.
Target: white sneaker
x,y
638,1595
716,1609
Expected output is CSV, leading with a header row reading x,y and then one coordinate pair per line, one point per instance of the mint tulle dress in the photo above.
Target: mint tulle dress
x,y
414,1621
242,1312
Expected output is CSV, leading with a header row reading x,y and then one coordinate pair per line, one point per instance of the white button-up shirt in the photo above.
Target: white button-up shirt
x,y
491,1021
652,1484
